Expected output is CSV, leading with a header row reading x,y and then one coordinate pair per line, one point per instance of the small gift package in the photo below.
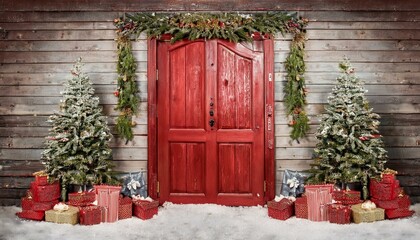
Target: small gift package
x,y
398,213
45,193
31,215
367,212
81,198
108,197
134,184
387,188
62,213
293,183
318,197
301,207
29,204
281,209
125,208
145,209
90,215
338,213
347,197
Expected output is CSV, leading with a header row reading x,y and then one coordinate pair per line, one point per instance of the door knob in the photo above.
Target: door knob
x,y
211,122
211,113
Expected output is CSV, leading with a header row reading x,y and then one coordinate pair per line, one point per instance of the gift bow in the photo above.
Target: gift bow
x,y
61,207
133,184
293,183
368,205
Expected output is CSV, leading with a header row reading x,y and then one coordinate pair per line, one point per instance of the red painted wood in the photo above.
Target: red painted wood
x,y
269,119
202,164
151,119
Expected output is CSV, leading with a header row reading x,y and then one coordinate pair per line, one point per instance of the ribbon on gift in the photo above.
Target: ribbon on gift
x,y
138,197
281,197
293,184
61,207
368,205
133,185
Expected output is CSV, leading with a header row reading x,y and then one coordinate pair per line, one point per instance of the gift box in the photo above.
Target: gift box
x,y
398,213
388,178
41,180
360,214
134,184
45,193
90,215
70,216
301,207
281,210
318,197
145,209
347,197
385,204
31,215
125,209
81,198
384,191
339,213
108,196
404,201
293,183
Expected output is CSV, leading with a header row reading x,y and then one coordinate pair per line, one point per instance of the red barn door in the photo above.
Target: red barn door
x,y
210,123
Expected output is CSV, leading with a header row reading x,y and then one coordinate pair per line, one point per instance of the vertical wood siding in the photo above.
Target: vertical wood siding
x,y
40,43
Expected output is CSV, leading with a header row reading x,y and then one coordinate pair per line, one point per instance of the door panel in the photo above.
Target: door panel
x,y
198,162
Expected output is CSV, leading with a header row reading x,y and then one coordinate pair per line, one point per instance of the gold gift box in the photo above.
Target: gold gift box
x,y
70,216
366,215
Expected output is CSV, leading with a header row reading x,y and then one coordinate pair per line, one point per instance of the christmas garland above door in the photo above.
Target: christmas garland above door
x,y
234,27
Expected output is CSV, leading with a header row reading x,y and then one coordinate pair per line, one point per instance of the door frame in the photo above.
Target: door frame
x,y
267,44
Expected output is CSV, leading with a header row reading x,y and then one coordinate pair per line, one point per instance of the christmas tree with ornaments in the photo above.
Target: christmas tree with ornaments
x,y
350,148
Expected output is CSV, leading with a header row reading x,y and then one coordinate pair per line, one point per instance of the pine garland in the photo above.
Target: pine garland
x,y
234,27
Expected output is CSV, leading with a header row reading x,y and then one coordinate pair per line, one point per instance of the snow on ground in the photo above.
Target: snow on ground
x,y
208,222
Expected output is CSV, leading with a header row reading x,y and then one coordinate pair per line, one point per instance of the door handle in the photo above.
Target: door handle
x,y
211,113
212,122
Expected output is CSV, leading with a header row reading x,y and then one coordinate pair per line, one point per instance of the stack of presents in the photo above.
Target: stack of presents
x,y
326,203
102,203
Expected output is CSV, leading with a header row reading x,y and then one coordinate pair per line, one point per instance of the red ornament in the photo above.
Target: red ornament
x,y
221,24
292,122
116,93
376,136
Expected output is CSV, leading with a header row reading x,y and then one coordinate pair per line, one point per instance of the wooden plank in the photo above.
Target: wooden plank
x,y
65,57
61,35
64,68
405,167
10,202
363,34
346,44
44,16
16,193
43,131
350,24
58,26
361,16
375,101
360,67
13,168
214,5
52,46
15,182
297,165
130,166
54,90
39,142
31,79
409,181
104,99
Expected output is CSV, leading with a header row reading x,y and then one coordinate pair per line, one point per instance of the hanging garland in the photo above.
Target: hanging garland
x,y
234,27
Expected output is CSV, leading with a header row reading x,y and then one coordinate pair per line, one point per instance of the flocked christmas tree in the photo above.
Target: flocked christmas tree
x,y
350,148
77,148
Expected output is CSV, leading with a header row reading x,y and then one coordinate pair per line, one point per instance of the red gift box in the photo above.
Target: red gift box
x,y
404,201
45,193
281,210
347,197
384,191
385,204
41,180
338,213
31,215
108,197
388,178
82,198
319,196
145,209
398,213
125,208
90,215
301,207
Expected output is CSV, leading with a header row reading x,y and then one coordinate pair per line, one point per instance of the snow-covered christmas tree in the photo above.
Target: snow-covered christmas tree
x,y
350,148
77,148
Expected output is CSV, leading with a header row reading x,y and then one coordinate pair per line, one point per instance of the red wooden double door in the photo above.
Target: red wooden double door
x,y
210,124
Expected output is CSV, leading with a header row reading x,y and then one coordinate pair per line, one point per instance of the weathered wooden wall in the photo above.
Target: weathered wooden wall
x,y
40,41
